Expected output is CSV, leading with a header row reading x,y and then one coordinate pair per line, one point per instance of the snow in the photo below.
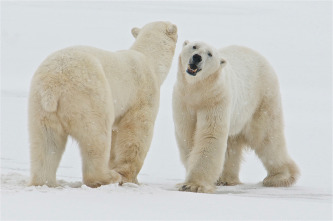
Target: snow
x,y
296,37
152,201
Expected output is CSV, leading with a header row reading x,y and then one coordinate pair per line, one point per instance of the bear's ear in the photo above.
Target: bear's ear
x,y
185,43
172,29
135,32
223,62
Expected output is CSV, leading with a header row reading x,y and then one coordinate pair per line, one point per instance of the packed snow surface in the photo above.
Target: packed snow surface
x,y
296,37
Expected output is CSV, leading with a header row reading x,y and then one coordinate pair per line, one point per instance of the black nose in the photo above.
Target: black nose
x,y
196,58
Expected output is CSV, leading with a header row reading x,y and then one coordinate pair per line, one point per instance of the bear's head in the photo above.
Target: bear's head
x,y
199,60
157,41
159,28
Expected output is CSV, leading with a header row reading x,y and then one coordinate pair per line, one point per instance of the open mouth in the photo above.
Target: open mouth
x,y
193,69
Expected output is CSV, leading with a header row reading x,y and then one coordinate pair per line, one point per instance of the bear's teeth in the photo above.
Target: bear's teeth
x,y
189,67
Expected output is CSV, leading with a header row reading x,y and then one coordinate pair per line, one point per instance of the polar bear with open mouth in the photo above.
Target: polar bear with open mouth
x,y
223,101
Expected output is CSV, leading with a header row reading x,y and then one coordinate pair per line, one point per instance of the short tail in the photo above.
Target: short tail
x,y
49,99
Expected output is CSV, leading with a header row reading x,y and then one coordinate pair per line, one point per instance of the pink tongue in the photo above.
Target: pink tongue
x,y
193,66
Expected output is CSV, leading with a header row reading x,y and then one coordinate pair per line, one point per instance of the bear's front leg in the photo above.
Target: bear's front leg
x,y
185,123
206,159
133,139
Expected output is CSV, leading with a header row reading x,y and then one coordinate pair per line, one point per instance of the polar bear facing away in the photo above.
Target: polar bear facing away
x,y
225,100
95,95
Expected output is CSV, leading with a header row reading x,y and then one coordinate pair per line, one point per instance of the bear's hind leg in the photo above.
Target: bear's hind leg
x,y
266,137
282,171
134,135
94,138
95,157
47,144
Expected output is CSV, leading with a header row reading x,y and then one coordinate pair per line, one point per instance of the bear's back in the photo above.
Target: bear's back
x,y
250,76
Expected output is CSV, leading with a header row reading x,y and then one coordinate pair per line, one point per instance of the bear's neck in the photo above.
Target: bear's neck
x,y
212,85
159,54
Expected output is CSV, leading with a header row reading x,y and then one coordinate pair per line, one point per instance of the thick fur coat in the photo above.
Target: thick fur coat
x,y
223,101
94,95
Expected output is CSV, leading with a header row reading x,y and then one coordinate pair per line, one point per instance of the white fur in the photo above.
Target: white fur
x,y
93,95
233,102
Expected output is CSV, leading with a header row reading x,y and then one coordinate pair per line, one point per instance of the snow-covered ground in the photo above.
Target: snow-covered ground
x,y
296,37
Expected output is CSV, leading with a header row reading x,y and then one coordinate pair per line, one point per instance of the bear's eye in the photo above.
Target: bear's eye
x,y
194,47
210,54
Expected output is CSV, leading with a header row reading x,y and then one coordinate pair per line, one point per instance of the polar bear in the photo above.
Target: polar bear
x,y
94,95
223,101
